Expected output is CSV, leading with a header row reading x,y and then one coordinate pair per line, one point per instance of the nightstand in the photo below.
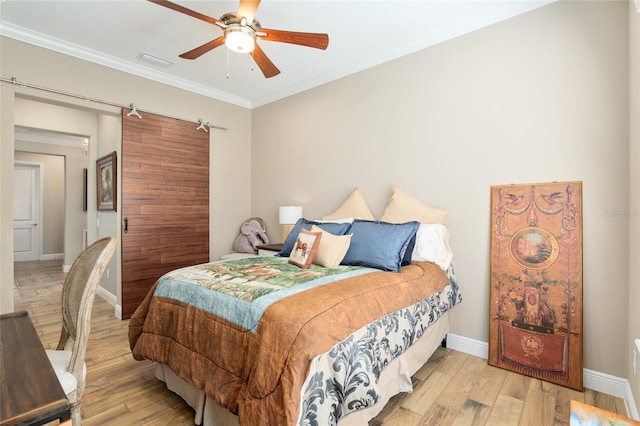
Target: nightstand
x,y
269,249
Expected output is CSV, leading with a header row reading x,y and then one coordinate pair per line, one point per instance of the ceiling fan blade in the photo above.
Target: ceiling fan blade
x,y
207,47
247,9
315,40
189,12
266,66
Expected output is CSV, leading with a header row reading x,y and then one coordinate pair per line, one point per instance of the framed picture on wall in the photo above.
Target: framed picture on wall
x,y
107,182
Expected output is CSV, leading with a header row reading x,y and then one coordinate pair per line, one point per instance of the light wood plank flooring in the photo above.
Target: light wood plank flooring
x,y
451,388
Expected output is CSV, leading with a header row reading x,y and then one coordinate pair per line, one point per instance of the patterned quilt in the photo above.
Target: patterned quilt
x,y
259,372
240,290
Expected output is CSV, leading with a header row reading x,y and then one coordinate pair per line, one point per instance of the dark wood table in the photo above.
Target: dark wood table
x,y
267,249
30,393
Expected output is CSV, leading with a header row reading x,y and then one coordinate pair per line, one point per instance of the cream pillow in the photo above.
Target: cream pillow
x,y
402,207
353,207
332,248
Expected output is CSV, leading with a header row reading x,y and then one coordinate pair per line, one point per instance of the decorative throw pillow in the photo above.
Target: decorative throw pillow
x,y
305,248
302,223
379,245
332,248
402,207
353,206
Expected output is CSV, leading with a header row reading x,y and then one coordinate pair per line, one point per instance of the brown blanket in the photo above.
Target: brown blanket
x,y
259,375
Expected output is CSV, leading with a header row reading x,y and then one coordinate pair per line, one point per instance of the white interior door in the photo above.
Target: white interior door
x,y
26,212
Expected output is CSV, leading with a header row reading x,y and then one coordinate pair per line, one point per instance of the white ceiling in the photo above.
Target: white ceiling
x,y
362,34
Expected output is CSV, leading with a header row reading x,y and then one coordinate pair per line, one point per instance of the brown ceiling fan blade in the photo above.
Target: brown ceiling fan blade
x,y
207,47
247,9
266,66
186,11
315,40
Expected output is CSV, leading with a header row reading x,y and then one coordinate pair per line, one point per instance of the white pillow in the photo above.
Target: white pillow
x,y
432,245
343,220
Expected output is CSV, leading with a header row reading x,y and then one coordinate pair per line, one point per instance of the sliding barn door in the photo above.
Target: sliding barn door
x,y
165,201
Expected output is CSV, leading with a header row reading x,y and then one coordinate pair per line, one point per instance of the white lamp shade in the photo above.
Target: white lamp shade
x,y
289,215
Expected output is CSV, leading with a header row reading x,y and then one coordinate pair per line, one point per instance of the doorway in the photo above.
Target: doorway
x,y
59,188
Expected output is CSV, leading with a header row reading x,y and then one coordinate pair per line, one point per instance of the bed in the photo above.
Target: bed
x,y
267,340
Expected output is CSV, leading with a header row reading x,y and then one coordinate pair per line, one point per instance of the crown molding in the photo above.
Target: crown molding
x,y
38,39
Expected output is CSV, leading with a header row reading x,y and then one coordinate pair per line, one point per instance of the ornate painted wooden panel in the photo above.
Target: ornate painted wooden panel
x,y
536,281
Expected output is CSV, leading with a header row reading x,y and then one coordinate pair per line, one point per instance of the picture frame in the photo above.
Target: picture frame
x,y
536,281
583,414
107,182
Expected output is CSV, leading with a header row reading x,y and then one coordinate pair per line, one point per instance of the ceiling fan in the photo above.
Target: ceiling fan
x,y
241,31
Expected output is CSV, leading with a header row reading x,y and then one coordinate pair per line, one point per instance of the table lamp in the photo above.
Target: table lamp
x,y
289,215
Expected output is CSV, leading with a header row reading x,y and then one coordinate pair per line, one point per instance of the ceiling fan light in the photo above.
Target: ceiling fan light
x,y
240,39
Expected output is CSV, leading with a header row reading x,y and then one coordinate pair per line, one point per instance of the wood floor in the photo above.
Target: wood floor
x,y
451,388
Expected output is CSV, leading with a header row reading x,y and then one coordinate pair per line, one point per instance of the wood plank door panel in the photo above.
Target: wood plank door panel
x,y
165,201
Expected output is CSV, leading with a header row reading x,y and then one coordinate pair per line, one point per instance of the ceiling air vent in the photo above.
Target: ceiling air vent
x,y
154,60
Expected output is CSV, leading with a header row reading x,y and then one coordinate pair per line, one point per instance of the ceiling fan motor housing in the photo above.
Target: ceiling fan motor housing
x,y
231,18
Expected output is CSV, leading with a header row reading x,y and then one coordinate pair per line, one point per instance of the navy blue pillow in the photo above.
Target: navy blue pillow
x,y
380,245
334,228
408,252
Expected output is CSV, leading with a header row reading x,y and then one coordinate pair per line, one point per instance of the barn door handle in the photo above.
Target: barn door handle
x,y
126,225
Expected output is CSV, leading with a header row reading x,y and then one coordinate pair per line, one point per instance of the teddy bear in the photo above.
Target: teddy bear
x,y
251,236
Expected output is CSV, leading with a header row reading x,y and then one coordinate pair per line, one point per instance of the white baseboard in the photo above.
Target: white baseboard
x,y
630,402
594,380
612,385
468,346
66,268
53,256
112,300
106,295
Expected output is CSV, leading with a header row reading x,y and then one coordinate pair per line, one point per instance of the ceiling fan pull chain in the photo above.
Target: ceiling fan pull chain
x,y
227,62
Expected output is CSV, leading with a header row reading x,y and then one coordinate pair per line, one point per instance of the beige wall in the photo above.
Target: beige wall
x,y
109,140
541,97
6,199
230,190
634,198
52,226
